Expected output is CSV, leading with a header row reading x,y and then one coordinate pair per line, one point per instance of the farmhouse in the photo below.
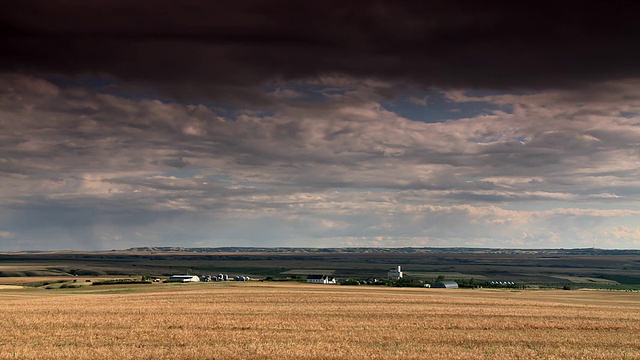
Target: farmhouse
x,y
446,285
320,279
395,273
184,278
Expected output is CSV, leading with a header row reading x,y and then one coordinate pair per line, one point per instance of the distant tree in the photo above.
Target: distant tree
x,y
350,282
408,282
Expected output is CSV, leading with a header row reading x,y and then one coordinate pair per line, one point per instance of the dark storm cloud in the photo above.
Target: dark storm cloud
x,y
224,50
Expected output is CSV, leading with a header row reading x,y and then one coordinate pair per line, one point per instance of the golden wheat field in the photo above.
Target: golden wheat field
x,y
296,321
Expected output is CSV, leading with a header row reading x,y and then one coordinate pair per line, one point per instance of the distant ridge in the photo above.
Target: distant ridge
x,y
577,251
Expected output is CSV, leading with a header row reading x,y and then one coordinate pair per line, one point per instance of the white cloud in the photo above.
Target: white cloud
x,y
624,232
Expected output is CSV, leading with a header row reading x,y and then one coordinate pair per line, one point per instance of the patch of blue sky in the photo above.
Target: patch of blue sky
x,y
434,107
306,92
548,204
253,113
485,92
227,180
628,114
485,140
231,112
184,173
105,85
362,190
221,177
252,184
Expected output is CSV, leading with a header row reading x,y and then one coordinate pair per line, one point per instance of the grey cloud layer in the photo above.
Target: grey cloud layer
x,y
552,171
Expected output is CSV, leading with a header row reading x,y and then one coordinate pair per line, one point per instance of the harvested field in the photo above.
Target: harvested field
x,y
296,321
27,280
5,287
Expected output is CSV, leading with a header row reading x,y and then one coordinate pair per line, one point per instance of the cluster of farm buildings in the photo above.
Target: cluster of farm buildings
x,y
397,274
206,278
393,274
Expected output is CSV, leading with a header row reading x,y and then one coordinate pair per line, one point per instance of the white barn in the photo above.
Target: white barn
x,y
320,279
184,278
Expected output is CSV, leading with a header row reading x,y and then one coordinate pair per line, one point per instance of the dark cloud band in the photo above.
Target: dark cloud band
x,y
221,50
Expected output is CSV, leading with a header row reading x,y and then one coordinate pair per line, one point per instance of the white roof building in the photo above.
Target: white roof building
x,y
184,278
446,285
321,279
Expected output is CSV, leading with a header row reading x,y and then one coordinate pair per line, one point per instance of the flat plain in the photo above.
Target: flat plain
x,y
253,320
595,268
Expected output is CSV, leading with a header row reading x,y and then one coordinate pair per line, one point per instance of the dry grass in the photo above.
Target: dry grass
x,y
291,321
27,280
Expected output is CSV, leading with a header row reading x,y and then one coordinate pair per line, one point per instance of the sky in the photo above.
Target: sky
x,y
509,124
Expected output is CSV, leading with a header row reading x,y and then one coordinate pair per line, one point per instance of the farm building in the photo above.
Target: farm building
x,y
184,278
395,273
320,279
446,285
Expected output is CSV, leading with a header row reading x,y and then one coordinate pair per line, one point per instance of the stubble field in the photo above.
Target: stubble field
x,y
296,321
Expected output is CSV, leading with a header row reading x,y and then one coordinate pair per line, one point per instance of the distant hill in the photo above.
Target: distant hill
x,y
364,250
